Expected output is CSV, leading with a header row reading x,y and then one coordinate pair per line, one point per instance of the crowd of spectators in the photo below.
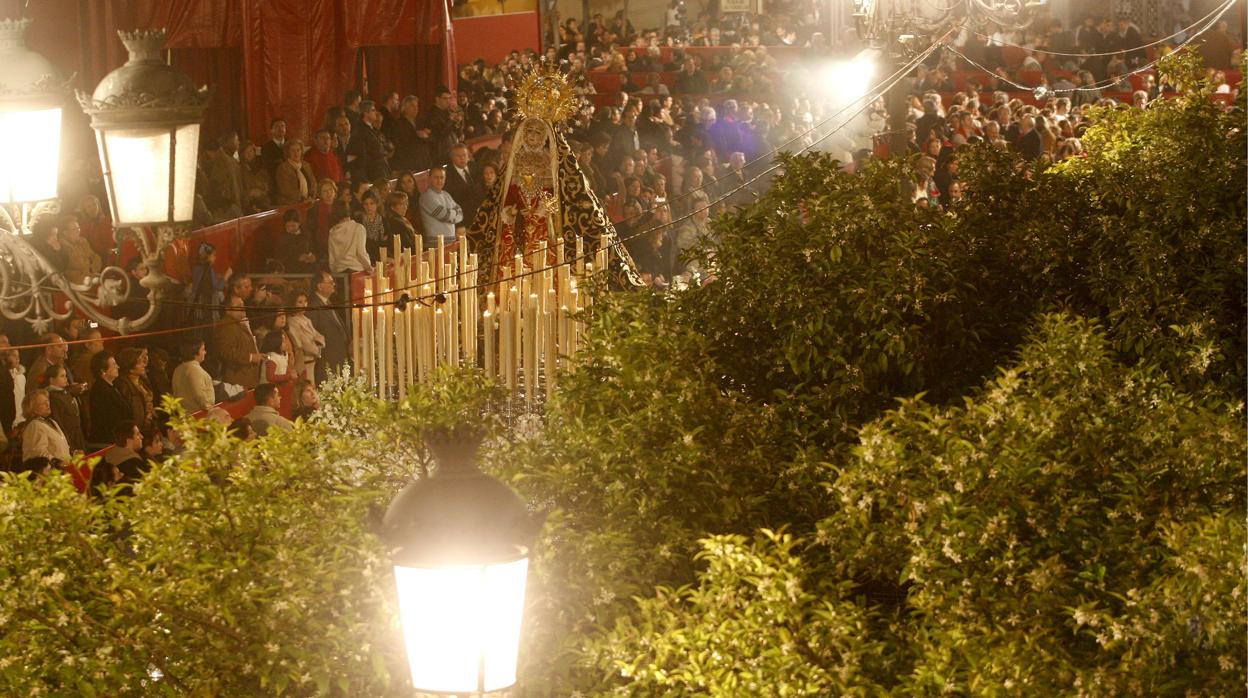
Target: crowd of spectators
x,y
80,393
679,140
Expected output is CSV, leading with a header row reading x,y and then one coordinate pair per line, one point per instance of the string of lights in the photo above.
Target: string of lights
x,y
863,101
1219,11
1044,91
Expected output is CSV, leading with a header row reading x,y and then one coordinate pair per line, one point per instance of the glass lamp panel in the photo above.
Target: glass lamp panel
x,y
184,188
462,624
139,164
31,141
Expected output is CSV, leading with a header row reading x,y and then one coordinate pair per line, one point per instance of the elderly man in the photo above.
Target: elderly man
x,y
412,148
1029,143
293,178
55,351
463,183
330,324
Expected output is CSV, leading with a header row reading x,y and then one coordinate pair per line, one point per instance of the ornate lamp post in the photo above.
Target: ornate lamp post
x,y
460,542
147,115
31,97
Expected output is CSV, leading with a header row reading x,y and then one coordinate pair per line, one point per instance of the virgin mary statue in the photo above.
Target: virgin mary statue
x,y
542,195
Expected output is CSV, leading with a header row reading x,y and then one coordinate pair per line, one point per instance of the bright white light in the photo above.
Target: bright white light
x,y
139,163
847,81
30,155
461,625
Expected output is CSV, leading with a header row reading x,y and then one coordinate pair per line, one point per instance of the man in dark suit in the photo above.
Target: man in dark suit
x,y
410,138
366,145
442,127
330,324
463,183
274,151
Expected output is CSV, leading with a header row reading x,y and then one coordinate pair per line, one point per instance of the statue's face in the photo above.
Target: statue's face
x,y
534,136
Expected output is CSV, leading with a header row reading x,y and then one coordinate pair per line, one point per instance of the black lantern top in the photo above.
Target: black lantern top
x,y
146,91
457,516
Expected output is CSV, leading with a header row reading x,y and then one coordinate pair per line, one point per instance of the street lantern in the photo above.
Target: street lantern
x,y
460,541
31,97
146,115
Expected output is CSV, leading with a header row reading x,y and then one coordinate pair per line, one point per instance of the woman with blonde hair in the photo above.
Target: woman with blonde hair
x,y
41,435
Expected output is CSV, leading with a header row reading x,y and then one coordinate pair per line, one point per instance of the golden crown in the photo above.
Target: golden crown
x,y
547,94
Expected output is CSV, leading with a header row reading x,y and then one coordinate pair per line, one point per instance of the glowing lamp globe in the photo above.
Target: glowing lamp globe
x,y
460,541
31,96
146,115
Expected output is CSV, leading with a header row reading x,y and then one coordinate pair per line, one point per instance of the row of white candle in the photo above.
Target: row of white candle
x,y
527,328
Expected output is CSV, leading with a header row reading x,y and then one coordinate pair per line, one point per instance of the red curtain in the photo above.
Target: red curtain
x,y
265,58
297,63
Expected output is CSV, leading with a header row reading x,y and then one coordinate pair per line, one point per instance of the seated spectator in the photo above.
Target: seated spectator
x,y
153,450
264,416
124,460
241,429
41,436
397,225
45,238
66,408
322,158
293,178
439,212
235,347
81,261
295,248
191,383
97,227
306,400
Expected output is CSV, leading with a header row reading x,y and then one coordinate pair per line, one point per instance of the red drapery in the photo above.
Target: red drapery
x,y
265,58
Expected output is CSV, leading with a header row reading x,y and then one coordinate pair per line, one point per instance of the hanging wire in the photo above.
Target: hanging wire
x,y
1219,11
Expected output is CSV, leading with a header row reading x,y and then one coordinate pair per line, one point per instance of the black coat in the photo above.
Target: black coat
x,y
8,407
468,193
108,409
337,340
411,152
370,155
291,247
68,414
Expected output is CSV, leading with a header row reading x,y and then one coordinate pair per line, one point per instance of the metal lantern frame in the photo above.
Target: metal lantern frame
x,y
146,94
461,524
